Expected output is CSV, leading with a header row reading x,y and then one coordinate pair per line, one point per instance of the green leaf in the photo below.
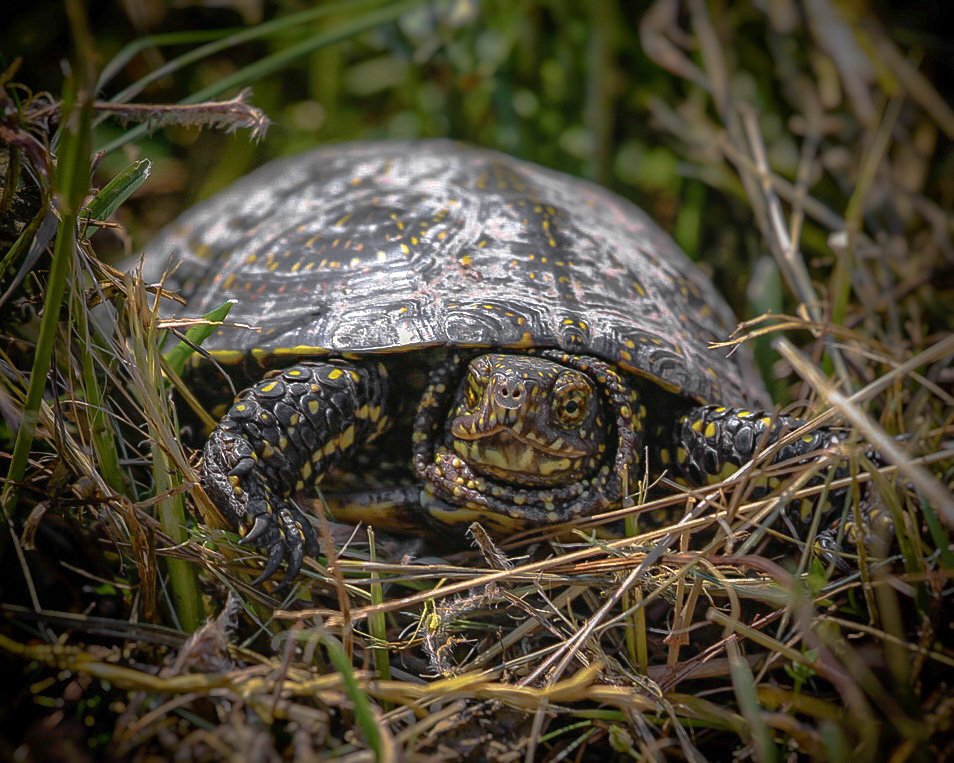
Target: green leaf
x,y
195,336
116,191
362,705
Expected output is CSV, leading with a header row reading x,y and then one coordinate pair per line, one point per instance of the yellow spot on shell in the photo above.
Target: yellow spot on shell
x,y
228,357
336,373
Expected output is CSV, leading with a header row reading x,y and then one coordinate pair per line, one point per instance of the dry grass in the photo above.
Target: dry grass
x,y
716,636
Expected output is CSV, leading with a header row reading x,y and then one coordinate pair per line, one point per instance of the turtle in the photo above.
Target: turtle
x,y
515,340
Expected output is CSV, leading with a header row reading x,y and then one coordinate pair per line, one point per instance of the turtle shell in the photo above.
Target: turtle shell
x,y
383,247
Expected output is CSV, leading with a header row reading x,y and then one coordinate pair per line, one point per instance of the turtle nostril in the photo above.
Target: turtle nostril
x,y
508,393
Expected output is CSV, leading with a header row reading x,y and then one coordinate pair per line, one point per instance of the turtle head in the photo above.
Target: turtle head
x,y
528,421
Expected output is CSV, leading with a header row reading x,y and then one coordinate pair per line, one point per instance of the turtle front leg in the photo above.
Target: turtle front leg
x,y
711,442
280,437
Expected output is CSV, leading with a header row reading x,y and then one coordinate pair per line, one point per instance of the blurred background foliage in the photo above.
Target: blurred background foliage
x,y
568,84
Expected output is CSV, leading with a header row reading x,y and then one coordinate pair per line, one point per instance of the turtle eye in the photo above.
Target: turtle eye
x,y
570,402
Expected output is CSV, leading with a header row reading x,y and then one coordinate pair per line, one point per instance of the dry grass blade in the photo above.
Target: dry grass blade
x,y
940,497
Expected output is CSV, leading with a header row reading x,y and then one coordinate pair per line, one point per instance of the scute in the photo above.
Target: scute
x,y
386,247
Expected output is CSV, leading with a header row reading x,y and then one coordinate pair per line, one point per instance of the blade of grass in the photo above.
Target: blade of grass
x,y
362,705
116,191
102,436
748,699
222,41
195,336
377,621
278,61
137,46
149,387
71,184
926,482
938,535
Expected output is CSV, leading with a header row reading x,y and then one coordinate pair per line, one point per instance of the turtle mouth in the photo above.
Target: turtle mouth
x,y
502,454
509,435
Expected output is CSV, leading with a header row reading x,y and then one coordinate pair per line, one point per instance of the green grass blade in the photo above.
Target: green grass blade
x,y
280,60
362,705
71,183
195,336
377,622
744,685
116,191
118,62
168,463
102,435
222,41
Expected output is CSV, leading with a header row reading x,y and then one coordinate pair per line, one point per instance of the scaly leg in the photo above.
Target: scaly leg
x,y
711,442
280,437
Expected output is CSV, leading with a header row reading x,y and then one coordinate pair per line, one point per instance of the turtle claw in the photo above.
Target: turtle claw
x,y
296,555
828,548
286,535
260,527
278,527
275,556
